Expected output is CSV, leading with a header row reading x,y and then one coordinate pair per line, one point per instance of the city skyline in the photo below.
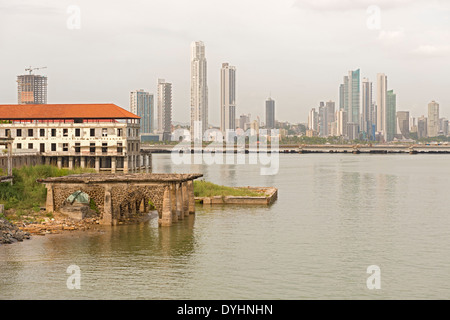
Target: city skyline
x,y
412,41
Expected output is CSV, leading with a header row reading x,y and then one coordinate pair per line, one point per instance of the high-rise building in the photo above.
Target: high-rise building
x,y
227,97
351,91
422,131
403,124
199,91
443,126
243,120
31,89
433,119
341,122
391,116
164,109
367,109
313,120
381,102
141,104
270,114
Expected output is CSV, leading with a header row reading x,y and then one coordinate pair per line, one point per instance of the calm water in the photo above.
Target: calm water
x,y
335,216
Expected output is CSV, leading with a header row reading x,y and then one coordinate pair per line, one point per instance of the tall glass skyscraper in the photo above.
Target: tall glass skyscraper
x,y
141,104
391,116
227,98
270,114
350,93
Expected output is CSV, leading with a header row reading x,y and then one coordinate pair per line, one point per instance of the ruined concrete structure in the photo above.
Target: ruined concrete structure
x,y
118,196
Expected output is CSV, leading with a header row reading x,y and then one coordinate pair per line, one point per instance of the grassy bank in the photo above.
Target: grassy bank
x,y
26,195
208,189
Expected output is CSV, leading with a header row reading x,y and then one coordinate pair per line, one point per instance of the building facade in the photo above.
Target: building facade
x,y
433,119
270,113
104,137
199,91
164,109
31,89
142,105
227,98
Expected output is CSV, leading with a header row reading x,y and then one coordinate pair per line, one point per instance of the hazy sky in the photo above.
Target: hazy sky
x,y
295,51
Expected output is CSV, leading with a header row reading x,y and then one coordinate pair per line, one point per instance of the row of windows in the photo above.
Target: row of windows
x,y
65,132
77,147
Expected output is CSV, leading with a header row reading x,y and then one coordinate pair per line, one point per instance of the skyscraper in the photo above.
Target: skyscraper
x,y
403,123
141,104
367,111
351,92
227,97
270,114
31,89
341,122
422,131
433,119
381,101
313,120
391,118
164,109
199,91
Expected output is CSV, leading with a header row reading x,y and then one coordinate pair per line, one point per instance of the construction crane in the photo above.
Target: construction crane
x,y
30,69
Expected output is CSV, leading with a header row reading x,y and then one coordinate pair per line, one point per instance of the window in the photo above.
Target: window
x,y
42,147
92,132
104,132
65,146
19,146
30,132
119,132
65,132
53,132
77,147
119,148
18,132
53,146
7,132
77,132
42,132
104,147
30,146
92,147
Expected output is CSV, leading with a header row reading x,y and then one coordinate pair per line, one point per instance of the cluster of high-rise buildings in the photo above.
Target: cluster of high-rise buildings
x,y
368,114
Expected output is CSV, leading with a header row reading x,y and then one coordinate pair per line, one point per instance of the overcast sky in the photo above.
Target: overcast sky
x,y
295,51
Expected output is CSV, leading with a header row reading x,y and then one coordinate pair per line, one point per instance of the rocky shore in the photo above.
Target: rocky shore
x,y
10,233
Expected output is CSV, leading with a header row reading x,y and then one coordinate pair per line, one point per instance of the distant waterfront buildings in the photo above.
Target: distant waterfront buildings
x,y
350,95
367,110
381,102
199,91
164,118
433,119
31,89
422,131
141,104
391,116
270,113
403,124
227,98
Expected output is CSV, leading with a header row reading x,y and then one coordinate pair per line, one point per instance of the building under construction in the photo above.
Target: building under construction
x,y
31,88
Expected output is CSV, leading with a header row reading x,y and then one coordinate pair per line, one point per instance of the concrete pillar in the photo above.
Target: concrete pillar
x,y
113,164
50,203
142,206
70,163
82,162
59,162
107,209
125,164
173,201
166,214
47,160
191,196
180,213
185,199
97,164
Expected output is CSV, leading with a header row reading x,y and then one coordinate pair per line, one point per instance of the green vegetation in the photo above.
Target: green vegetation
x,y
26,195
207,189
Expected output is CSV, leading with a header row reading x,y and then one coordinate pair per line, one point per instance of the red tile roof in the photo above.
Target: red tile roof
x,y
64,111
